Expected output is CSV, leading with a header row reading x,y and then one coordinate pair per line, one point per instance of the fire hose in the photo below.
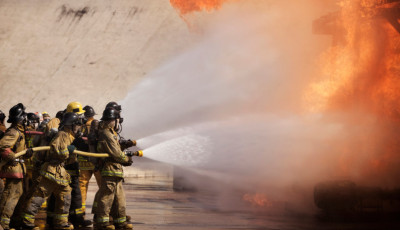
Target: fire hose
x,y
45,148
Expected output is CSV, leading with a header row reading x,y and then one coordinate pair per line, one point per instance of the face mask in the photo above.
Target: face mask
x,y
84,120
116,126
24,121
78,133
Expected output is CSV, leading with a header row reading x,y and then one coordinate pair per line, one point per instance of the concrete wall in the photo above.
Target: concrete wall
x,y
55,52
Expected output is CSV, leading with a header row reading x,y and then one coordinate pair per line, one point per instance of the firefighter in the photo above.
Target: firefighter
x,y
46,119
111,193
50,129
32,121
2,125
123,143
55,179
46,116
86,166
31,179
37,139
14,169
76,215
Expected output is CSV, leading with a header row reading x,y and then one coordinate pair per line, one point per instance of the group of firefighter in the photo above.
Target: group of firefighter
x,y
58,178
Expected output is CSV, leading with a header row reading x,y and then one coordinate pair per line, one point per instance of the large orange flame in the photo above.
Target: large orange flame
x,y
360,74
189,6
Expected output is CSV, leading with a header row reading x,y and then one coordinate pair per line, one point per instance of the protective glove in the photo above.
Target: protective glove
x,y
131,143
29,153
71,148
11,157
127,143
129,163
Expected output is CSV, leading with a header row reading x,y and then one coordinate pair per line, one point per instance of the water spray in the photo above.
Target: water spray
x,y
198,104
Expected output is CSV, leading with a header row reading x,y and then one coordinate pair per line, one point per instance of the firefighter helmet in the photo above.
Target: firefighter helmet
x,y
89,111
75,107
110,114
17,113
60,114
45,114
71,119
33,118
114,105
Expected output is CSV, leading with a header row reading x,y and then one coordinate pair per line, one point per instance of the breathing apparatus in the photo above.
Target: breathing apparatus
x,y
32,120
72,119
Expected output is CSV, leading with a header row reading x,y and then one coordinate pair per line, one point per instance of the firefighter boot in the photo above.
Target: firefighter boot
x,y
25,226
65,226
79,221
49,222
105,227
124,226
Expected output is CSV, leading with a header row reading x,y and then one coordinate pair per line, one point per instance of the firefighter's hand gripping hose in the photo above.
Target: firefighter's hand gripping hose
x,y
45,148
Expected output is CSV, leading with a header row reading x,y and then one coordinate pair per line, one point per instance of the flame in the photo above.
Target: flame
x,y
257,199
360,74
189,6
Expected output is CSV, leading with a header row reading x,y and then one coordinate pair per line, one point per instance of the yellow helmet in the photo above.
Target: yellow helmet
x,y
75,107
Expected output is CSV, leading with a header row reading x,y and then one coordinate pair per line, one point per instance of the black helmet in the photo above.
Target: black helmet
x,y
114,105
89,111
60,114
71,119
2,116
110,114
33,118
17,113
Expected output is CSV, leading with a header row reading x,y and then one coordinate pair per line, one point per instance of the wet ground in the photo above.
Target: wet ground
x,y
153,204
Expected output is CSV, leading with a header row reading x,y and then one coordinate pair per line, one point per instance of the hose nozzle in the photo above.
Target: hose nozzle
x,y
137,153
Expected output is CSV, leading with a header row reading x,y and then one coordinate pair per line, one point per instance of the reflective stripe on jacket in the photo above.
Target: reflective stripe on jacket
x,y
108,143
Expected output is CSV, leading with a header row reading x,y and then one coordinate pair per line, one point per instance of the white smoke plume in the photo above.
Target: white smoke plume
x,y
233,104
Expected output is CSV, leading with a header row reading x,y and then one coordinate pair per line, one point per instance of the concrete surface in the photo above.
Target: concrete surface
x,y
152,204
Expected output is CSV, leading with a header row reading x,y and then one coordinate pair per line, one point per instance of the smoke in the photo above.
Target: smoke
x,y
233,105
258,63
